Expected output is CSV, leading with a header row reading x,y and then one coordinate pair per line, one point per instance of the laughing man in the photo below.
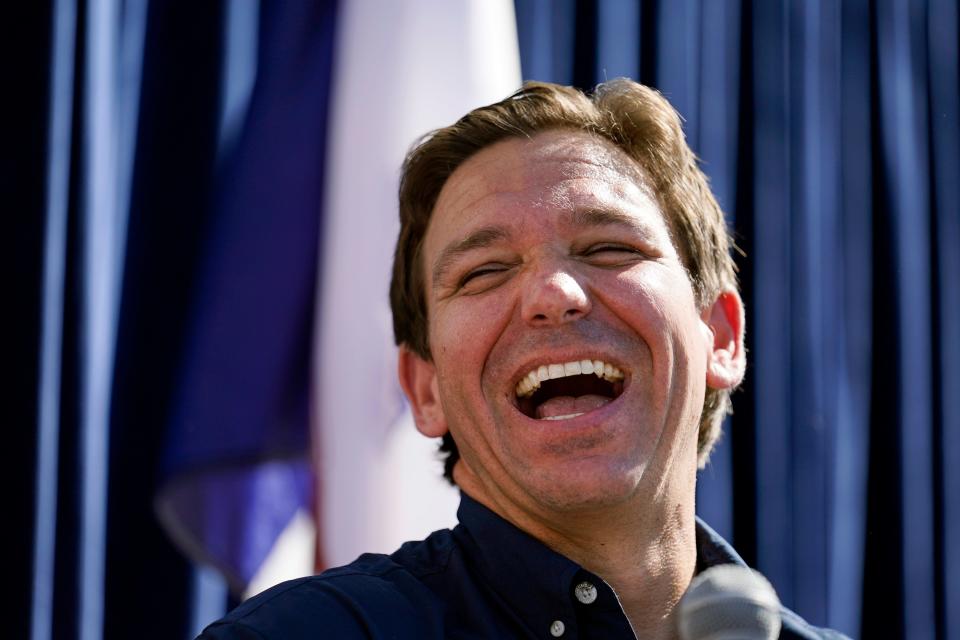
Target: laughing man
x,y
569,324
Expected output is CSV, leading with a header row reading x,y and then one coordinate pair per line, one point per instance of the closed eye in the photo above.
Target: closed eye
x,y
478,280
600,248
608,254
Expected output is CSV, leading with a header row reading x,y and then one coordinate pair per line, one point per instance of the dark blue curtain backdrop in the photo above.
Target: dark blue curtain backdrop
x,y
830,132
136,109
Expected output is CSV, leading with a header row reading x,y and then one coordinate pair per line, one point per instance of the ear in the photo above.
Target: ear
x,y
726,362
418,377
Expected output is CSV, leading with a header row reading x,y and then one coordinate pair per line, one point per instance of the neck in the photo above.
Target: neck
x,y
649,567
645,549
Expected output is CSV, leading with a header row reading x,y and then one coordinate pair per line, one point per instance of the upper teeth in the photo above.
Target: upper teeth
x,y
531,381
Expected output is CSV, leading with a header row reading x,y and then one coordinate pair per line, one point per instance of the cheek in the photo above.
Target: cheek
x,y
660,297
451,331
659,305
464,332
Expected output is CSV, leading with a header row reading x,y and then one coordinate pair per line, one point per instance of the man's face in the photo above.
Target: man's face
x,y
546,258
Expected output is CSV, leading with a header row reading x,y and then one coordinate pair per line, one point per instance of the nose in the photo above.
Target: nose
x,y
554,297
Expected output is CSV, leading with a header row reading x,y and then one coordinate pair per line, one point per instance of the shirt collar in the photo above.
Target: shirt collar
x,y
534,579
713,549
537,584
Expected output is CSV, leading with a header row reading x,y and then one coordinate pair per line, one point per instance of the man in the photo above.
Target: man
x,y
569,323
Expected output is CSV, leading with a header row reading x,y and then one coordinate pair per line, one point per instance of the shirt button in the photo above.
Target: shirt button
x,y
586,592
557,628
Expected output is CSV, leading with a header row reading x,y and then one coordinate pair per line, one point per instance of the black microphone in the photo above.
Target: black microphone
x,y
729,602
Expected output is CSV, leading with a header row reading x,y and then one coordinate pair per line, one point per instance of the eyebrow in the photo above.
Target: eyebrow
x,y
594,217
479,239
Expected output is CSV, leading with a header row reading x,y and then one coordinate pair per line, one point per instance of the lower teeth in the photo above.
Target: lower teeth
x,y
563,417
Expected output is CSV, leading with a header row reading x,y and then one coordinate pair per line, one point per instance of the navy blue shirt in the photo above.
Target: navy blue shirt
x,y
483,579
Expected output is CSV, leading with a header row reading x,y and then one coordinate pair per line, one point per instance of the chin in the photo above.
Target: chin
x,y
582,488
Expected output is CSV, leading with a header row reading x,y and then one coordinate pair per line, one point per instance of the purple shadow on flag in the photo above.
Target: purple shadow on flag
x,y
237,459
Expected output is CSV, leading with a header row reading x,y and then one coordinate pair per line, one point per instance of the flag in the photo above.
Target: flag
x,y
288,411
237,462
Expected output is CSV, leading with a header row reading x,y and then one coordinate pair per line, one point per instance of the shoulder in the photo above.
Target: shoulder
x,y
291,609
375,596
712,550
796,627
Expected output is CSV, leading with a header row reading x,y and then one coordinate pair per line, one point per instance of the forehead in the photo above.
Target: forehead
x,y
547,170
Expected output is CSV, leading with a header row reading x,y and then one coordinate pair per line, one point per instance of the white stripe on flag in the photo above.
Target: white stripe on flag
x,y
402,69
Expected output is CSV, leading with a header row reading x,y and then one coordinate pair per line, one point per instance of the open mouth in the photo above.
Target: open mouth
x,y
565,391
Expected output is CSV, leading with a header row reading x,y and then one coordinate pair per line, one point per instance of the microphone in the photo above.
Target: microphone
x,y
729,602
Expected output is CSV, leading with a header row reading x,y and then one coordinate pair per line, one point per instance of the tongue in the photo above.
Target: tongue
x,y
566,405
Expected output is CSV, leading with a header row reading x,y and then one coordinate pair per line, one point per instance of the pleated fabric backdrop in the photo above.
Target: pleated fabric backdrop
x,y
829,130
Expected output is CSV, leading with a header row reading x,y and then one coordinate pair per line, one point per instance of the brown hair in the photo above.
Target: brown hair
x,y
635,118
